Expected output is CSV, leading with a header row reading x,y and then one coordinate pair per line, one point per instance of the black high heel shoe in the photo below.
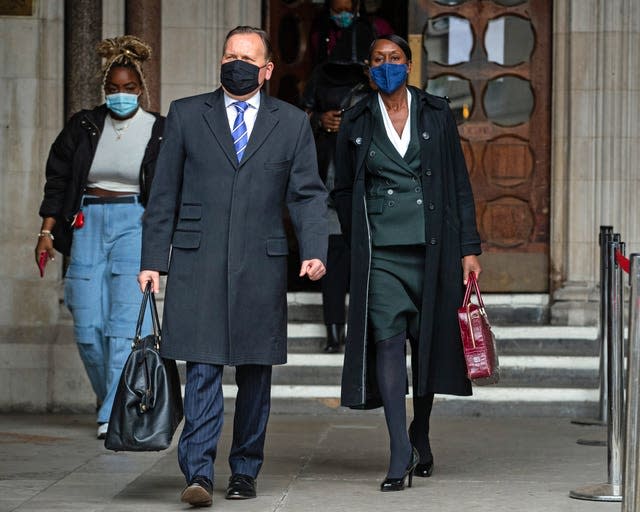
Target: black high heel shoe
x,y
424,470
397,484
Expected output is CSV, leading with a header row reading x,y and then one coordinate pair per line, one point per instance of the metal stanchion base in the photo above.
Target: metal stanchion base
x,y
592,442
598,492
589,421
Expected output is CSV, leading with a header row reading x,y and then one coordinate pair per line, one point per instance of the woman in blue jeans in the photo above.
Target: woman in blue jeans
x,y
99,173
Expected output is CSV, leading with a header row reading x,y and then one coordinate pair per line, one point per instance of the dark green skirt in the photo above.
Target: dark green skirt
x,y
395,290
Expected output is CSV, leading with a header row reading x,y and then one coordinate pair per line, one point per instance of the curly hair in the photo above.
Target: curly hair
x,y
126,51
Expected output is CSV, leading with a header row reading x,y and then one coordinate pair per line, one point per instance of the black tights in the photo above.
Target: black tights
x,y
391,372
419,429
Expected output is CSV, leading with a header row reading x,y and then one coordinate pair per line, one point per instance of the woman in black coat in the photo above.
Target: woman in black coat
x,y
99,174
405,203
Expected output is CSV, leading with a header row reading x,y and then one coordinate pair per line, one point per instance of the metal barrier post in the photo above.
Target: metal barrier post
x,y
631,498
606,234
612,489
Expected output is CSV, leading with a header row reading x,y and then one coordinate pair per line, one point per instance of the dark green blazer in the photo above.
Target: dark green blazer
x,y
394,189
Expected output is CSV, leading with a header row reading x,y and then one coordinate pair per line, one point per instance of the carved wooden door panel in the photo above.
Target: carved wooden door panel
x,y
289,24
492,59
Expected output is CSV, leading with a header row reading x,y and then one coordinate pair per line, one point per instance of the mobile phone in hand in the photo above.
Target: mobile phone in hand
x,y
42,262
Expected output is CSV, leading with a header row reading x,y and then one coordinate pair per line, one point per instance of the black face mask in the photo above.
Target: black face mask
x,y
239,77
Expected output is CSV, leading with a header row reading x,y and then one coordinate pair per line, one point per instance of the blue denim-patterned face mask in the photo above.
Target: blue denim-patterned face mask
x,y
121,103
389,77
343,19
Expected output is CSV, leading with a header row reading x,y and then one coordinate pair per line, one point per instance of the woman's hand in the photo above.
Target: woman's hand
x,y
330,120
470,263
45,244
45,240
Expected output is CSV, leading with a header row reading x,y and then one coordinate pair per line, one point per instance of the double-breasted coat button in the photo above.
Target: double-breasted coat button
x,y
418,189
390,191
433,241
391,204
419,202
426,135
428,172
432,206
358,140
372,154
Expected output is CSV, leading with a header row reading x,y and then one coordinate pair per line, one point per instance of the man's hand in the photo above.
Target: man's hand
x,y
149,275
313,269
470,263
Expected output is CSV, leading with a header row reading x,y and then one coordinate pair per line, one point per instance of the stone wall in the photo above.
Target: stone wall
x,y
39,365
596,150
596,144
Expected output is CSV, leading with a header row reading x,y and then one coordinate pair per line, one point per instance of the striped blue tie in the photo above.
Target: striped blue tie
x,y
239,132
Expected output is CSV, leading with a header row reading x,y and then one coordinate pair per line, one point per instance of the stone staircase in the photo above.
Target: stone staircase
x,y
545,370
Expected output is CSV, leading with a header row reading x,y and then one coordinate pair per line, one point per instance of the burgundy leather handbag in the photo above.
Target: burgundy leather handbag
x,y
478,342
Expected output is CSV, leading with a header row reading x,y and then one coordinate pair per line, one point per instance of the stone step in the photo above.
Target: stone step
x,y
515,371
545,371
542,371
503,309
510,340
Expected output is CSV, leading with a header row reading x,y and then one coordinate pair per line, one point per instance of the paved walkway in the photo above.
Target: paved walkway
x,y
313,463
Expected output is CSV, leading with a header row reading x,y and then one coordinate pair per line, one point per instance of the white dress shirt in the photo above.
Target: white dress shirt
x,y
249,114
401,143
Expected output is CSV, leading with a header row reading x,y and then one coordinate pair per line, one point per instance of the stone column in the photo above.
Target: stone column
x,y
82,32
595,144
192,33
143,19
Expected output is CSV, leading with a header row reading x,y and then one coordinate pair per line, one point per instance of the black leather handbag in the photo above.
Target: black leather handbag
x,y
147,407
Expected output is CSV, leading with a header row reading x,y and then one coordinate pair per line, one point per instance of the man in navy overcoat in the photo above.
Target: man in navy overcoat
x,y
230,162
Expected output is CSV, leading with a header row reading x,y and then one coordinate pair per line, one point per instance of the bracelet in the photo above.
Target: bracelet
x,y
45,232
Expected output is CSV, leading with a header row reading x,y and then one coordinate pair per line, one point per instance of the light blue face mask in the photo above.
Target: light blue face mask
x,y
343,19
122,104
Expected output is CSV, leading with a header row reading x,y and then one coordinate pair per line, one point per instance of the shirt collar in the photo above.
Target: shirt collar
x,y
254,101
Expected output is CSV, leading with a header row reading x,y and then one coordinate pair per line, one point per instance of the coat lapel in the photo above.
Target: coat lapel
x,y
216,118
265,122
363,132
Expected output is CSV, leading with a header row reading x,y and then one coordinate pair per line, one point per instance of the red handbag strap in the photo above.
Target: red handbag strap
x,y
472,284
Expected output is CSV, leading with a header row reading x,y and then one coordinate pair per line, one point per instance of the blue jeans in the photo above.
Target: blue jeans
x,y
102,293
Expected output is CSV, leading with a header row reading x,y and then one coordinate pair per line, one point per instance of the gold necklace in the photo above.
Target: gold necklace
x,y
119,130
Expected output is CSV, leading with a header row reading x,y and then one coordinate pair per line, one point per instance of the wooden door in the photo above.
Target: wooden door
x,y
492,59
289,24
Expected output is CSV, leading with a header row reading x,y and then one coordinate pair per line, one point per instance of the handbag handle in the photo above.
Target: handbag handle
x,y
472,285
148,296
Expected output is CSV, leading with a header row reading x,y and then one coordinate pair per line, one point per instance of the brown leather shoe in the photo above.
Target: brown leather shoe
x,y
199,493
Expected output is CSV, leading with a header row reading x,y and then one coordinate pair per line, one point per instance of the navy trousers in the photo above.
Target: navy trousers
x,y
203,417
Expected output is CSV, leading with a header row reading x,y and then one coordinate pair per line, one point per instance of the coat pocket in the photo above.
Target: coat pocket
x,y
191,212
452,219
284,165
186,239
375,206
277,247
